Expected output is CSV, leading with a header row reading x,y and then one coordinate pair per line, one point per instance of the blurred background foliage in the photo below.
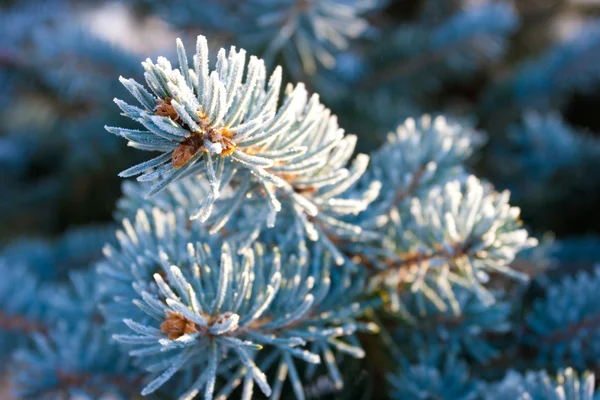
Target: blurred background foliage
x,y
527,73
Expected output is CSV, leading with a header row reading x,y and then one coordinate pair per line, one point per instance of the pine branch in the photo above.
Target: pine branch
x,y
567,318
21,324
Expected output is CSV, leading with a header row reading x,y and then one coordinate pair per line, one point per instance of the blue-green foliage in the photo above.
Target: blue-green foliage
x,y
543,138
73,356
545,159
435,377
461,326
248,312
403,75
304,36
209,15
62,72
423,154
230,129
450,379
540,386
223,135
543,83
577,252
542,150
307,32
51,128
77,248
56,340
458,46
443,237
73,362
563,326
22,313
260,251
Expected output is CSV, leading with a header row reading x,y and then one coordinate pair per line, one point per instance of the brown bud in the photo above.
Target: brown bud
x,y
186,150
176,325
165,109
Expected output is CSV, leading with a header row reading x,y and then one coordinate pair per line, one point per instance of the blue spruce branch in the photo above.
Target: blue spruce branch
x,y
564,325
253,310
231,131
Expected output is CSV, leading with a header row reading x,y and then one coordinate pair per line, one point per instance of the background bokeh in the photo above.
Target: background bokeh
x,y
526,73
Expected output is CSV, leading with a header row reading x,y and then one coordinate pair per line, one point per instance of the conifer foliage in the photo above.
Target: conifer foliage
x,y
258,249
